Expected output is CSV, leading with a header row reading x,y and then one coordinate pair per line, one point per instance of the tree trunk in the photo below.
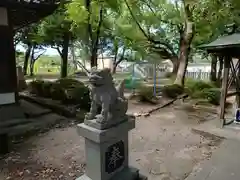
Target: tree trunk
x,y
114,68
64,64
117,62
175,62
213,75
186,37
26,59
32,68
114,63
94,58
74,58
32,61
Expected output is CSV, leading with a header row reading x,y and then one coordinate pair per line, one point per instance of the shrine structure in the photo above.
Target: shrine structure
x,y
228,47
15,14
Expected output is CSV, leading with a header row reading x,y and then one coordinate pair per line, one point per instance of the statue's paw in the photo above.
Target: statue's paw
x,y
100,119
89,116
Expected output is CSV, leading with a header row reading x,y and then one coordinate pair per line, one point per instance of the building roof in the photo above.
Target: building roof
x,y
24,12
228,41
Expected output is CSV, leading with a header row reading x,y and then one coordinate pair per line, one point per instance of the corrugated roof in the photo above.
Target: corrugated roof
x,y
227,41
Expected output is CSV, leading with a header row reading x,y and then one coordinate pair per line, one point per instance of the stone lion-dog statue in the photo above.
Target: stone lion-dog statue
x,y
104,94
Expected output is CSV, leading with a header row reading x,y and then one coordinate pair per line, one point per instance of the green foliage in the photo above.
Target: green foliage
x,y
78,95
203,90
132,84
193,86
61,86
53,28
35,87
213,95
46,89
145,94
67,83
172,91
68,91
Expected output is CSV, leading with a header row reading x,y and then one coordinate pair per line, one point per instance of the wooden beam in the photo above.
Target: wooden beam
x,y
224,90
238,84
233,94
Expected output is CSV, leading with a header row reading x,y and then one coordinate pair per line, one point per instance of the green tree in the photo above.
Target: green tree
x,y
211,20
167,28
55,31
30,39
91,22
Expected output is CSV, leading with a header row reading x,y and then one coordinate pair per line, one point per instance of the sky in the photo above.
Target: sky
x,y
50,51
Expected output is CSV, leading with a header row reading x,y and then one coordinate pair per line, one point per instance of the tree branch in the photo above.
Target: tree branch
x,y
122,56
136,21
40,55
167,46
150,39
154,13
59,51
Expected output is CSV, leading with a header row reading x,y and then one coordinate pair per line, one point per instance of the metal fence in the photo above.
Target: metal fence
x,y
198,75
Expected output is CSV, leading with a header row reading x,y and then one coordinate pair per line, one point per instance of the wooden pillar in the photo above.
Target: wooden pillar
x,y
4,143
8,79
238,85
224,90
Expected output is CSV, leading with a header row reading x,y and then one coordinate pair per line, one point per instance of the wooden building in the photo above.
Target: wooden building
x,y
14,14
228,46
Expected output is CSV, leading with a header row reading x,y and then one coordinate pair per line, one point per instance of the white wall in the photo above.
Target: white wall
x,y
102,63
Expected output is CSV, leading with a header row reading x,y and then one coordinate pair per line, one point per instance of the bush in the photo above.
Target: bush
x,y
193,86
212,95
129,84
68,91
57,91
69,83
172,91
78,95
198,89
60,86
145,94
46,89
36,87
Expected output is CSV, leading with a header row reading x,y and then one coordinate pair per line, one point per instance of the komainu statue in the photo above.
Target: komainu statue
x,y
104,94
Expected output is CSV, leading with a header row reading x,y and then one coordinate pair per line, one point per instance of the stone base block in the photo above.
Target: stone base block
x,y
93,123
125,174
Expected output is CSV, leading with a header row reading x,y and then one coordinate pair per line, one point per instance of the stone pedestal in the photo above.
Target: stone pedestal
x,y
107,152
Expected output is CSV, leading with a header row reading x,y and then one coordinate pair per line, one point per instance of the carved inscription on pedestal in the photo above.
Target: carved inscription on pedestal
x,y
114,157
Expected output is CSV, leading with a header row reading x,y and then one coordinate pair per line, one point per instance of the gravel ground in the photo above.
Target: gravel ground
x,y
162,146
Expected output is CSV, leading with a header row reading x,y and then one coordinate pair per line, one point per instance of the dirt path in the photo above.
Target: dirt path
x,y
162,146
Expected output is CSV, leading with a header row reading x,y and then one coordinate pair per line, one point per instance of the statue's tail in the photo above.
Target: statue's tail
x,y
120,89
